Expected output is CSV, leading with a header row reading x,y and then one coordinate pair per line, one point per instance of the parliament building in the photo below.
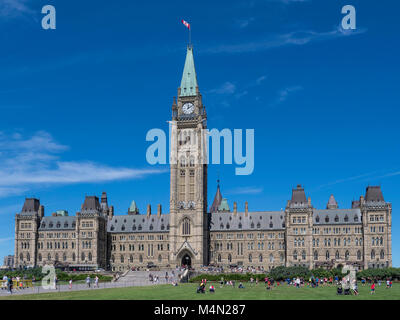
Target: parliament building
x,y
193,234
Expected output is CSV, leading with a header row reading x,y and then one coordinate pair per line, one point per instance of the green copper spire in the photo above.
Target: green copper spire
x,y
189,80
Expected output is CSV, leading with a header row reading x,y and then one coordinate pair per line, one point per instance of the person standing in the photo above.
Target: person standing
x,y
373,288
88,281
70,284
10,285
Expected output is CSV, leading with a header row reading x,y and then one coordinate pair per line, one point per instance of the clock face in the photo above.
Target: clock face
x,y
188,108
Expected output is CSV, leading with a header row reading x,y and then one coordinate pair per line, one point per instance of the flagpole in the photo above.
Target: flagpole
x,y
190,36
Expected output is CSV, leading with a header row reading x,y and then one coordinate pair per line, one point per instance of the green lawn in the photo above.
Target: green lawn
x,y
188,292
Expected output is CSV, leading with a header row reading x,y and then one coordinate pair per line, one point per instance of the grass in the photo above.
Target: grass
x,y
188,292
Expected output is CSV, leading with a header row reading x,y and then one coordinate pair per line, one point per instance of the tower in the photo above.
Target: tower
x,y
189,222
299,212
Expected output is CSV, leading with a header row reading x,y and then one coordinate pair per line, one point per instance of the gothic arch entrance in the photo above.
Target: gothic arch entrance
x,y
186,260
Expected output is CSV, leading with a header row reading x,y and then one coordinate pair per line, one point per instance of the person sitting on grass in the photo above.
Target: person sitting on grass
x,y
355,287
212,289
241,286
201,288
339,289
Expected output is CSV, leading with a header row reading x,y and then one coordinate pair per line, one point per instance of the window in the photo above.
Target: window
x,y
303,255
250,258
358,255
295,255
326,219
317,219
373,254
347,255
186,226
327,255
315,255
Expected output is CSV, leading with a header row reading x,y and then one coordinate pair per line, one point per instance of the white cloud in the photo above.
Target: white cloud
x,y
6,239
225,88
13,8
284,94
28,162
291,38
245,190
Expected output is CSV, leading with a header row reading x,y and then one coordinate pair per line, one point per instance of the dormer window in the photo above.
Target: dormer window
x,y
258,225
140,227
43,224
326,219
58,225
168,226
346,218
123,227
162,227
336,218
221,226
355,218
252,225
66,225
134,228
112,228
51,225
317,219
151,227
240,225
271,225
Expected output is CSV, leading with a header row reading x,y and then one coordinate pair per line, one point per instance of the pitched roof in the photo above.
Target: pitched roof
x,y
217,201
332,204
31,206
298,197
138,223
337,216
374,193
255,221
91,204
189,78
57,223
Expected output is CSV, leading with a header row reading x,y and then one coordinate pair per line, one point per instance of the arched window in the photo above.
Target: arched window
x,y
182,162
28,257
382,254
260,258
83,256
219,258
337,255
315,255
74,257
336,218
381,241
317,219
295,255
49,257
303,254
373,254
346,218
122,258
229,258
347,255
186,227
159,258
250,258
57,257
90,256
64,257
358,255
40,257
327,255
271,258
140,258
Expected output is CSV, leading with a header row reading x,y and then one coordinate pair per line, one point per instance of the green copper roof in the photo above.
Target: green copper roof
x,y
224,205
189,80
133,207
62,213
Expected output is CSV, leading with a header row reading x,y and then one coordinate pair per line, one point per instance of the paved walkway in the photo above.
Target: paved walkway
x,y
131,279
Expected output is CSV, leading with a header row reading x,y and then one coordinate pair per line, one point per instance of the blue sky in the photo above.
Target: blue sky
x,y
76,102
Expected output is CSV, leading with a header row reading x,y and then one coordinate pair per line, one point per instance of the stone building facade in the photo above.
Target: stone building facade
x,y
190,234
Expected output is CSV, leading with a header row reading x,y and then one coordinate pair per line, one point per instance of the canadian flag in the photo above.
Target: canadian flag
x,y
187,24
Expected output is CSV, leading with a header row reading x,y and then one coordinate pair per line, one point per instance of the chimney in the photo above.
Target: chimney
x,y
111,212
159,210
246,208
148,210
235,208
41,212
54,214
309,201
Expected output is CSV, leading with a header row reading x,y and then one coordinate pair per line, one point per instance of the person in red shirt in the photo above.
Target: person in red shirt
x,y
372,288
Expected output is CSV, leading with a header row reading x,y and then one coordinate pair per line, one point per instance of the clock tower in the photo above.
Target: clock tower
x,y
189,221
